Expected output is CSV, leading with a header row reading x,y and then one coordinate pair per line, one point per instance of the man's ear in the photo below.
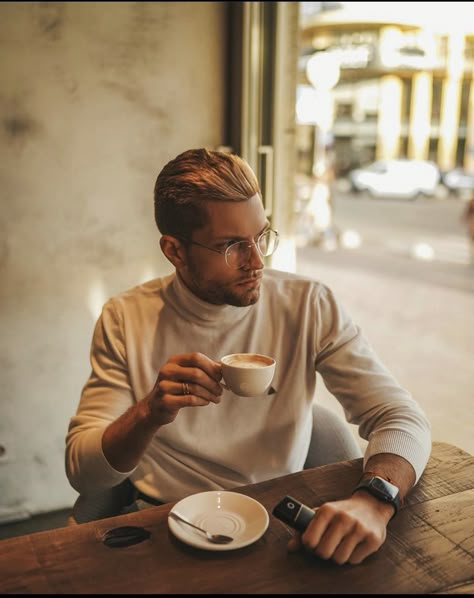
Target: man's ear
x,y
173,250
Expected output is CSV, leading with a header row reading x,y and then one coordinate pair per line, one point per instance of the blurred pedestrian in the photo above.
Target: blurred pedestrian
x,y
468,219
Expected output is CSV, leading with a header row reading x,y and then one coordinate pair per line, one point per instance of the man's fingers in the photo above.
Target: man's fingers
x,y
199,361
191,375
345,549
336,534
169,390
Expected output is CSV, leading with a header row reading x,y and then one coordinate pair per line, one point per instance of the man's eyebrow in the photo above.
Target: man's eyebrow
x,y
227,237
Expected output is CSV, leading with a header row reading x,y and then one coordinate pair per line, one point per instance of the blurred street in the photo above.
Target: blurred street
x,y
402,270
423,238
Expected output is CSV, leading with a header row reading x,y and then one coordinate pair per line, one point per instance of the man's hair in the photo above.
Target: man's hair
x,y
194,177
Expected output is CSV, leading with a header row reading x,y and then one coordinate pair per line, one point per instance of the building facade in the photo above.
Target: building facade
x,y
405,84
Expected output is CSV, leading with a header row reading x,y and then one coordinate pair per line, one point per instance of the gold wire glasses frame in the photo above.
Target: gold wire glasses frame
x,y
238,254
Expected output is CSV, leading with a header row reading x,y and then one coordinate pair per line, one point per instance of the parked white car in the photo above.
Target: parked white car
x,y
459,181
397,178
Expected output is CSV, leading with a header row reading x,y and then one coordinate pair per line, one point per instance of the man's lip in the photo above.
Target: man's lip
x,y
252,280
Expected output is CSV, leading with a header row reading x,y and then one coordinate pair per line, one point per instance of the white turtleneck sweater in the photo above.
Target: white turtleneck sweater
x,y
242,440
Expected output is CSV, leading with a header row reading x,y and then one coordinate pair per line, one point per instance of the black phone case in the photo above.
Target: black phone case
x,y
294,513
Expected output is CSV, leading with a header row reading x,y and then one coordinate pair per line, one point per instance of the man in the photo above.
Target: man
x,y
154,411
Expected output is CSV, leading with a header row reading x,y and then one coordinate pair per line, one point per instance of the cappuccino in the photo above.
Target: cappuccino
x,y
247,374
249,361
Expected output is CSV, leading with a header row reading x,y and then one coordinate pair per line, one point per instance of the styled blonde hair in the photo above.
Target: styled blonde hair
x,y
196,176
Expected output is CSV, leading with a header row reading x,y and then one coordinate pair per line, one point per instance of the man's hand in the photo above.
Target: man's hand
x,y
346,531
349,530
185,380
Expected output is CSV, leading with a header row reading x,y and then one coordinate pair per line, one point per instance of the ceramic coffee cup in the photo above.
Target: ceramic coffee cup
x,y
247,374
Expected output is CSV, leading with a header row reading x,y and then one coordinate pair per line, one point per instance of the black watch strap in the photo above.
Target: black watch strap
x,y
381,489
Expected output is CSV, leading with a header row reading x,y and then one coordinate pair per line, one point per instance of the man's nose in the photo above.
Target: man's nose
x,y
255,261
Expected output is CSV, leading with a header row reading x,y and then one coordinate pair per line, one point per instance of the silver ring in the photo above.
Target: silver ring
x,y
185,388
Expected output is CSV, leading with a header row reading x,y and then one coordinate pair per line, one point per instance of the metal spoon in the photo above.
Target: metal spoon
x,y
214,538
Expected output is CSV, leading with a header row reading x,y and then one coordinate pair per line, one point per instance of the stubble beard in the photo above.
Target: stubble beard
x,y
220,295
241,300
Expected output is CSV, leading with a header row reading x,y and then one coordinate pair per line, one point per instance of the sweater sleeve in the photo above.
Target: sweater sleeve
x,y
386,414
105,396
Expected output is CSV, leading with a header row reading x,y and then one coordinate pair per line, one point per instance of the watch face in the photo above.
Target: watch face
x,y
382,488
378,484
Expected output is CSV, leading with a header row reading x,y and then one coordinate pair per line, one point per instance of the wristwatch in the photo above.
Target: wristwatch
x,y
382,489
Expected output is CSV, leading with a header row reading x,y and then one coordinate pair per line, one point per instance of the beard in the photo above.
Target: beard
x,y
243,298
218,293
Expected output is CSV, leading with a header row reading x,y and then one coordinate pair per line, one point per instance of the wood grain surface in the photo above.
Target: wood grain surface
x,y
429,547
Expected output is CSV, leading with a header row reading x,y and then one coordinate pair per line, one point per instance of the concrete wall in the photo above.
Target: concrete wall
x,y
94,99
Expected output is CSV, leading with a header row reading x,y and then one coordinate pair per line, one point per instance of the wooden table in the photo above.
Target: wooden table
x,y
429,548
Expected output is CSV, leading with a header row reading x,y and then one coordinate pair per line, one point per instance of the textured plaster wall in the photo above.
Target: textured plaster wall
x,y
94,99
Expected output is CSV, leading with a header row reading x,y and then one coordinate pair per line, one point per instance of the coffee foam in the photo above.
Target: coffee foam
x,y
248,361
246,364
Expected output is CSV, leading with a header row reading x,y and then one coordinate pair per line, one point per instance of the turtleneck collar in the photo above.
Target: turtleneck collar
x,y
191,307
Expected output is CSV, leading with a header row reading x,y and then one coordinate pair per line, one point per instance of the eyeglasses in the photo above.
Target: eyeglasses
x,y
237,255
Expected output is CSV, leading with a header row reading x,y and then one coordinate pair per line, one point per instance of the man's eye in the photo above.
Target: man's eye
x,y
227,244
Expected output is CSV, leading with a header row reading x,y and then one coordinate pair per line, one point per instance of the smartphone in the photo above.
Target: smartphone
x,y
294,513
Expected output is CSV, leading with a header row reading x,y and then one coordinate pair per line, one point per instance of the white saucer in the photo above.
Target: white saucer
x,y
220,512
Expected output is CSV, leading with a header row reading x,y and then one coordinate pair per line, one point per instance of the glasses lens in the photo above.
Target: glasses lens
x,y
238,254
267,242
